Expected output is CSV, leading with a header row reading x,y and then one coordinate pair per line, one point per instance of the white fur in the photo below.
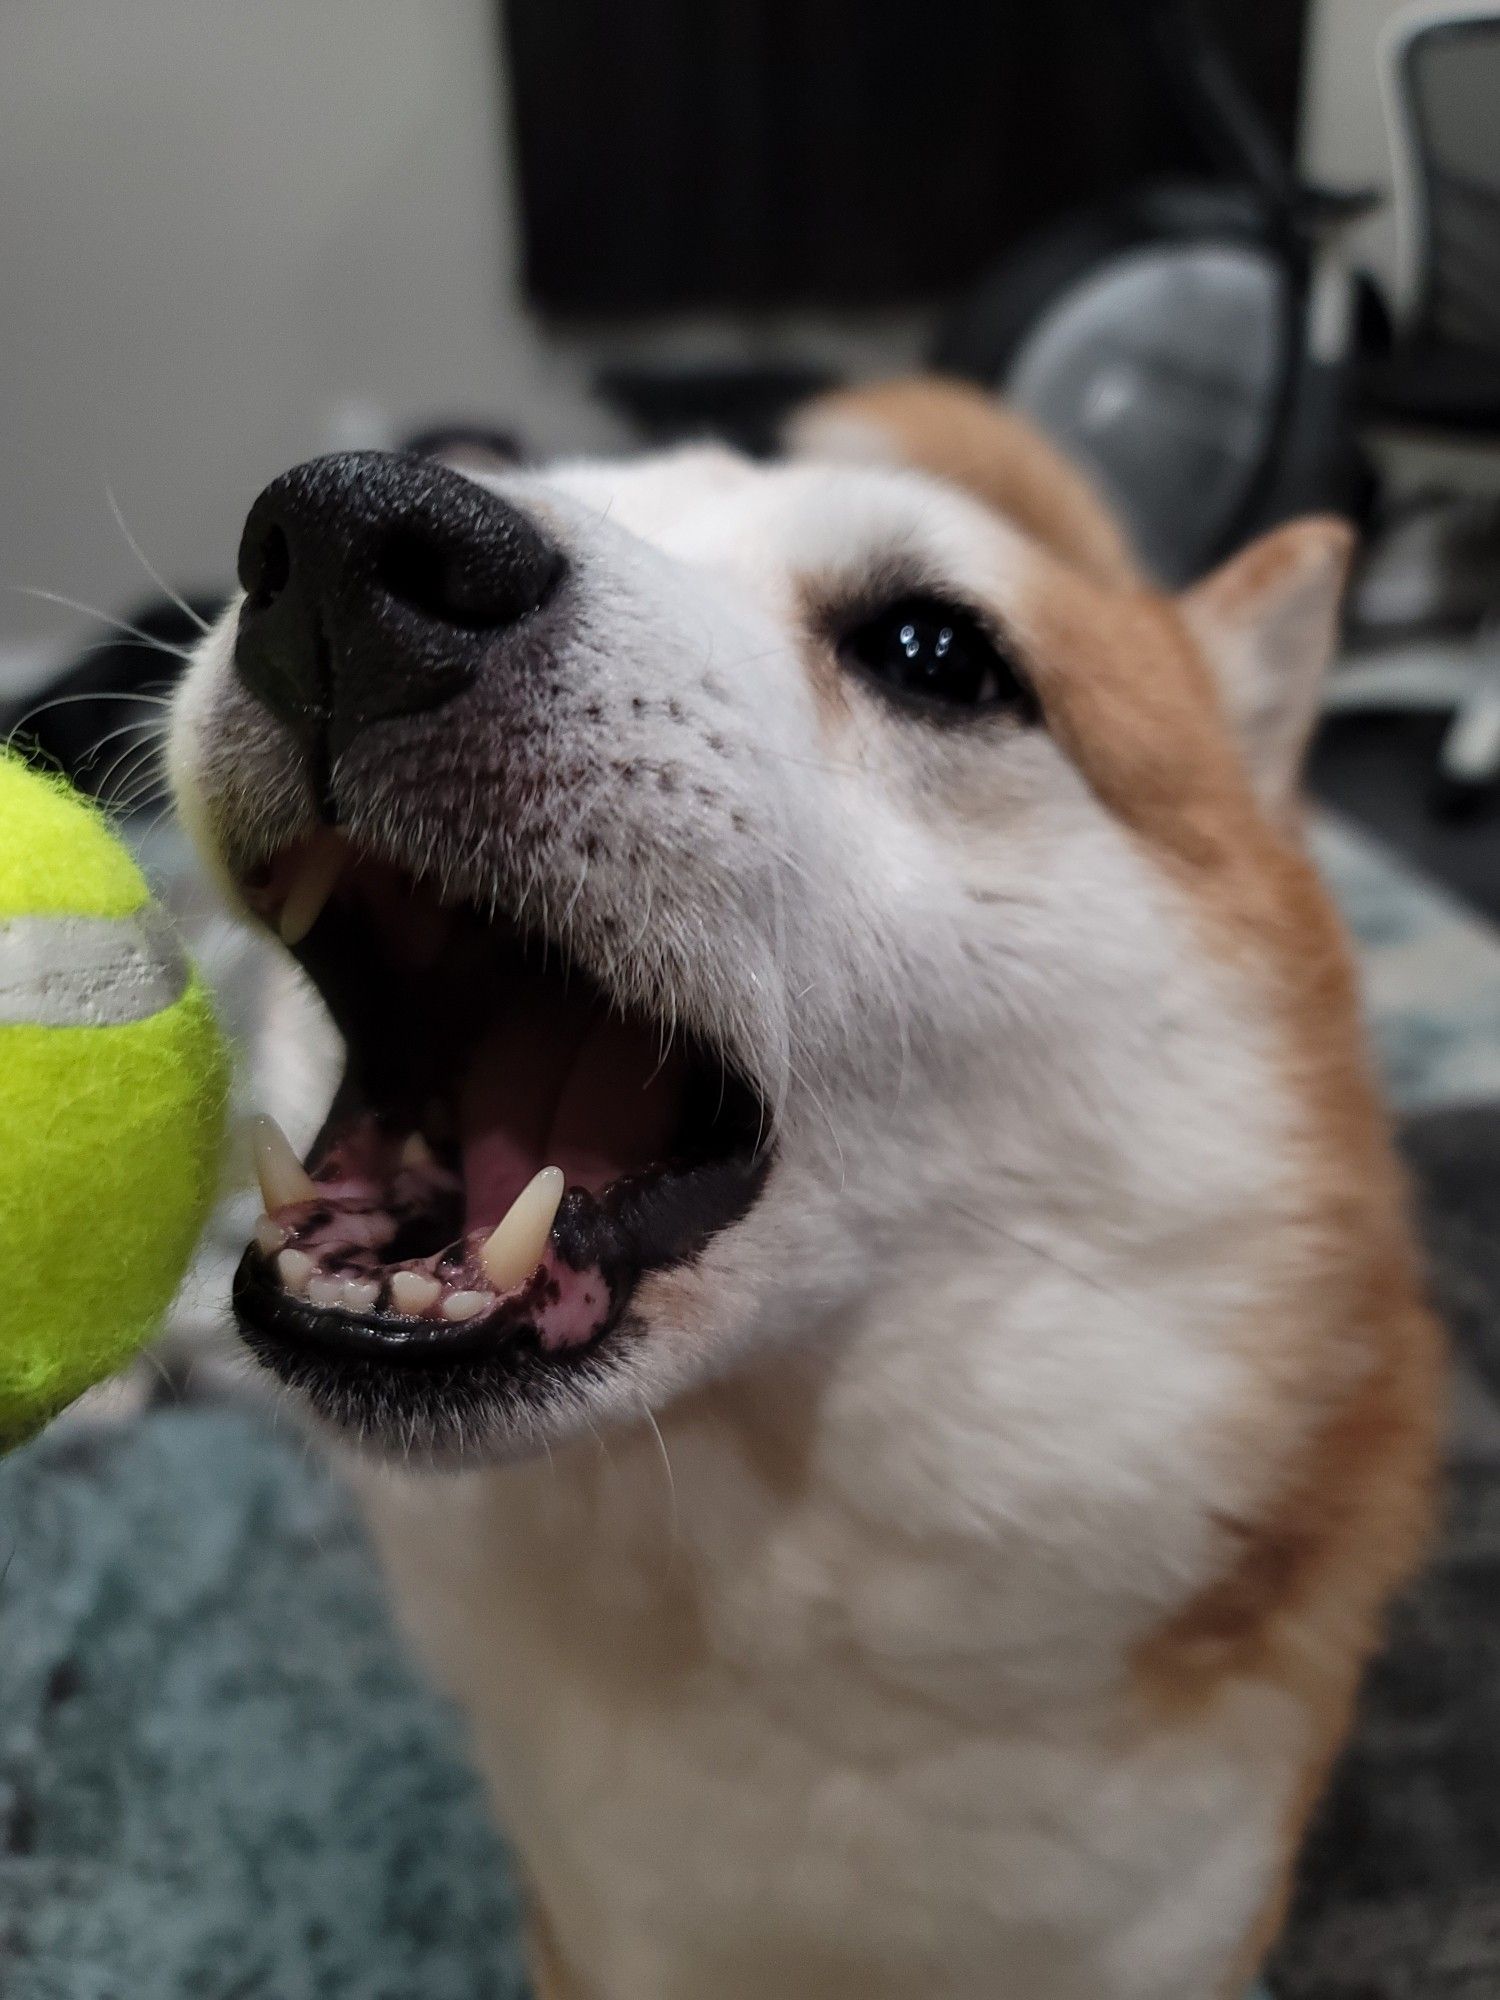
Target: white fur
x,y
807,1674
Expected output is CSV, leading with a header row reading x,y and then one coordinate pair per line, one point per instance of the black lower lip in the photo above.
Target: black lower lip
x,y
267,1312
461,1397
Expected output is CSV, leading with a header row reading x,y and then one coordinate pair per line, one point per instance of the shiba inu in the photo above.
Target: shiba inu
x,y
857,1244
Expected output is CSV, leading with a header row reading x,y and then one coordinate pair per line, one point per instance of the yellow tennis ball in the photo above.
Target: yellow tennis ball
x,y
112,1088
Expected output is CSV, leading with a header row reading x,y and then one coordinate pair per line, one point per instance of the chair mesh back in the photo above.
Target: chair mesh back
x,y
1450,81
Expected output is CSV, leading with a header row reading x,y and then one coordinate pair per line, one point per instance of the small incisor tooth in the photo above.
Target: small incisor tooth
x,y
325,1291
412,1293
360,1294
519,1241
416,1153
312,885
282,1176
464,1305
294,1268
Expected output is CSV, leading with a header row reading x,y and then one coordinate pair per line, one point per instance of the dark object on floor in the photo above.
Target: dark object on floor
x,y
99,718
474,448
741,406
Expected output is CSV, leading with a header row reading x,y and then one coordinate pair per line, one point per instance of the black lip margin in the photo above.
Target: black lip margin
x,y
267,1307
461,1389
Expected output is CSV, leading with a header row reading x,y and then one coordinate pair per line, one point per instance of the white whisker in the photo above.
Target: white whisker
x,y
104,617
140,555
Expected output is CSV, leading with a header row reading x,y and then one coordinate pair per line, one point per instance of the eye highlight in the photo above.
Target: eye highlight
x,y
928,654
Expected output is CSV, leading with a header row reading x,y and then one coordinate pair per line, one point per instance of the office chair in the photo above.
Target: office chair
x,y
1442,375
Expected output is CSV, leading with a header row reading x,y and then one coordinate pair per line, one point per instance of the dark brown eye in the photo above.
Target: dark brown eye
x,y
928,654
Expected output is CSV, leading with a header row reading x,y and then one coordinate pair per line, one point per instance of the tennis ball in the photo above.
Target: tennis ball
x,y
112,1089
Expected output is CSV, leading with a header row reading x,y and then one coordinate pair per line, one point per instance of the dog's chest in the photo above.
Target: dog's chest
x,y
786,1776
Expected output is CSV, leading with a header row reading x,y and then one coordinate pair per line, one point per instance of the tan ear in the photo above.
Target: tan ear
x,y
1267,621
958,433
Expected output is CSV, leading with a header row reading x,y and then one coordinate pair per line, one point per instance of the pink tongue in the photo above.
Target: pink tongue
x,y
555,1084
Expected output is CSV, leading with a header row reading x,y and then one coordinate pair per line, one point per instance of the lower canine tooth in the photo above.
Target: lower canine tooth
x,y
294,1268
282,1176
412,1293
519,1243
464,1305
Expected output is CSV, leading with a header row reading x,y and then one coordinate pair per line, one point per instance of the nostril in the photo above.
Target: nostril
x,y
419,573
469,585
268,567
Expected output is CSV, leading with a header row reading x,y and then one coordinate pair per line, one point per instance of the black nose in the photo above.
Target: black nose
x,y
375,586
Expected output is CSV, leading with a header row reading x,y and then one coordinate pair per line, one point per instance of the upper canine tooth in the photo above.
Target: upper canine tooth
x,y
312,885
282,1176
517,1246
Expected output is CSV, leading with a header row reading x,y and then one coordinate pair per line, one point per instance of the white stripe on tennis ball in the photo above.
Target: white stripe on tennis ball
x,y
89,972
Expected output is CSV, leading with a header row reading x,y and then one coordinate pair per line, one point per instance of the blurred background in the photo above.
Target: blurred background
x,y
1243,260
233,237
236,238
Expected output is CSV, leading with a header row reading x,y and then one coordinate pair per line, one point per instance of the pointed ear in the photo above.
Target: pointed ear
x,y
1268,623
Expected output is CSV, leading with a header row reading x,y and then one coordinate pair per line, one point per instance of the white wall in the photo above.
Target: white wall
x,y
222,226
237,232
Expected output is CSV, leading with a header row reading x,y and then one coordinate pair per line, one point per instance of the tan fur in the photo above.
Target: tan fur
x,y
1129,694
960,434
1303,1585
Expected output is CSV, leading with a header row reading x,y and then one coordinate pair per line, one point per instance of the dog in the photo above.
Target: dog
x,y
857,1253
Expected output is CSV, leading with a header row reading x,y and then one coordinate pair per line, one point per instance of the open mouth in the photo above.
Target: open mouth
x,y
508,1153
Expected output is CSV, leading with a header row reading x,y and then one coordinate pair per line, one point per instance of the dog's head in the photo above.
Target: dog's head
x,y
745,892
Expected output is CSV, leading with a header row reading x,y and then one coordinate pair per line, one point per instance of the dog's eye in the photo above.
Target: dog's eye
x,y
928,653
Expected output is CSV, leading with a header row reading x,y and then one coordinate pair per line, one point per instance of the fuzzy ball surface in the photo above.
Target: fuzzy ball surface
x,y
113,1080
